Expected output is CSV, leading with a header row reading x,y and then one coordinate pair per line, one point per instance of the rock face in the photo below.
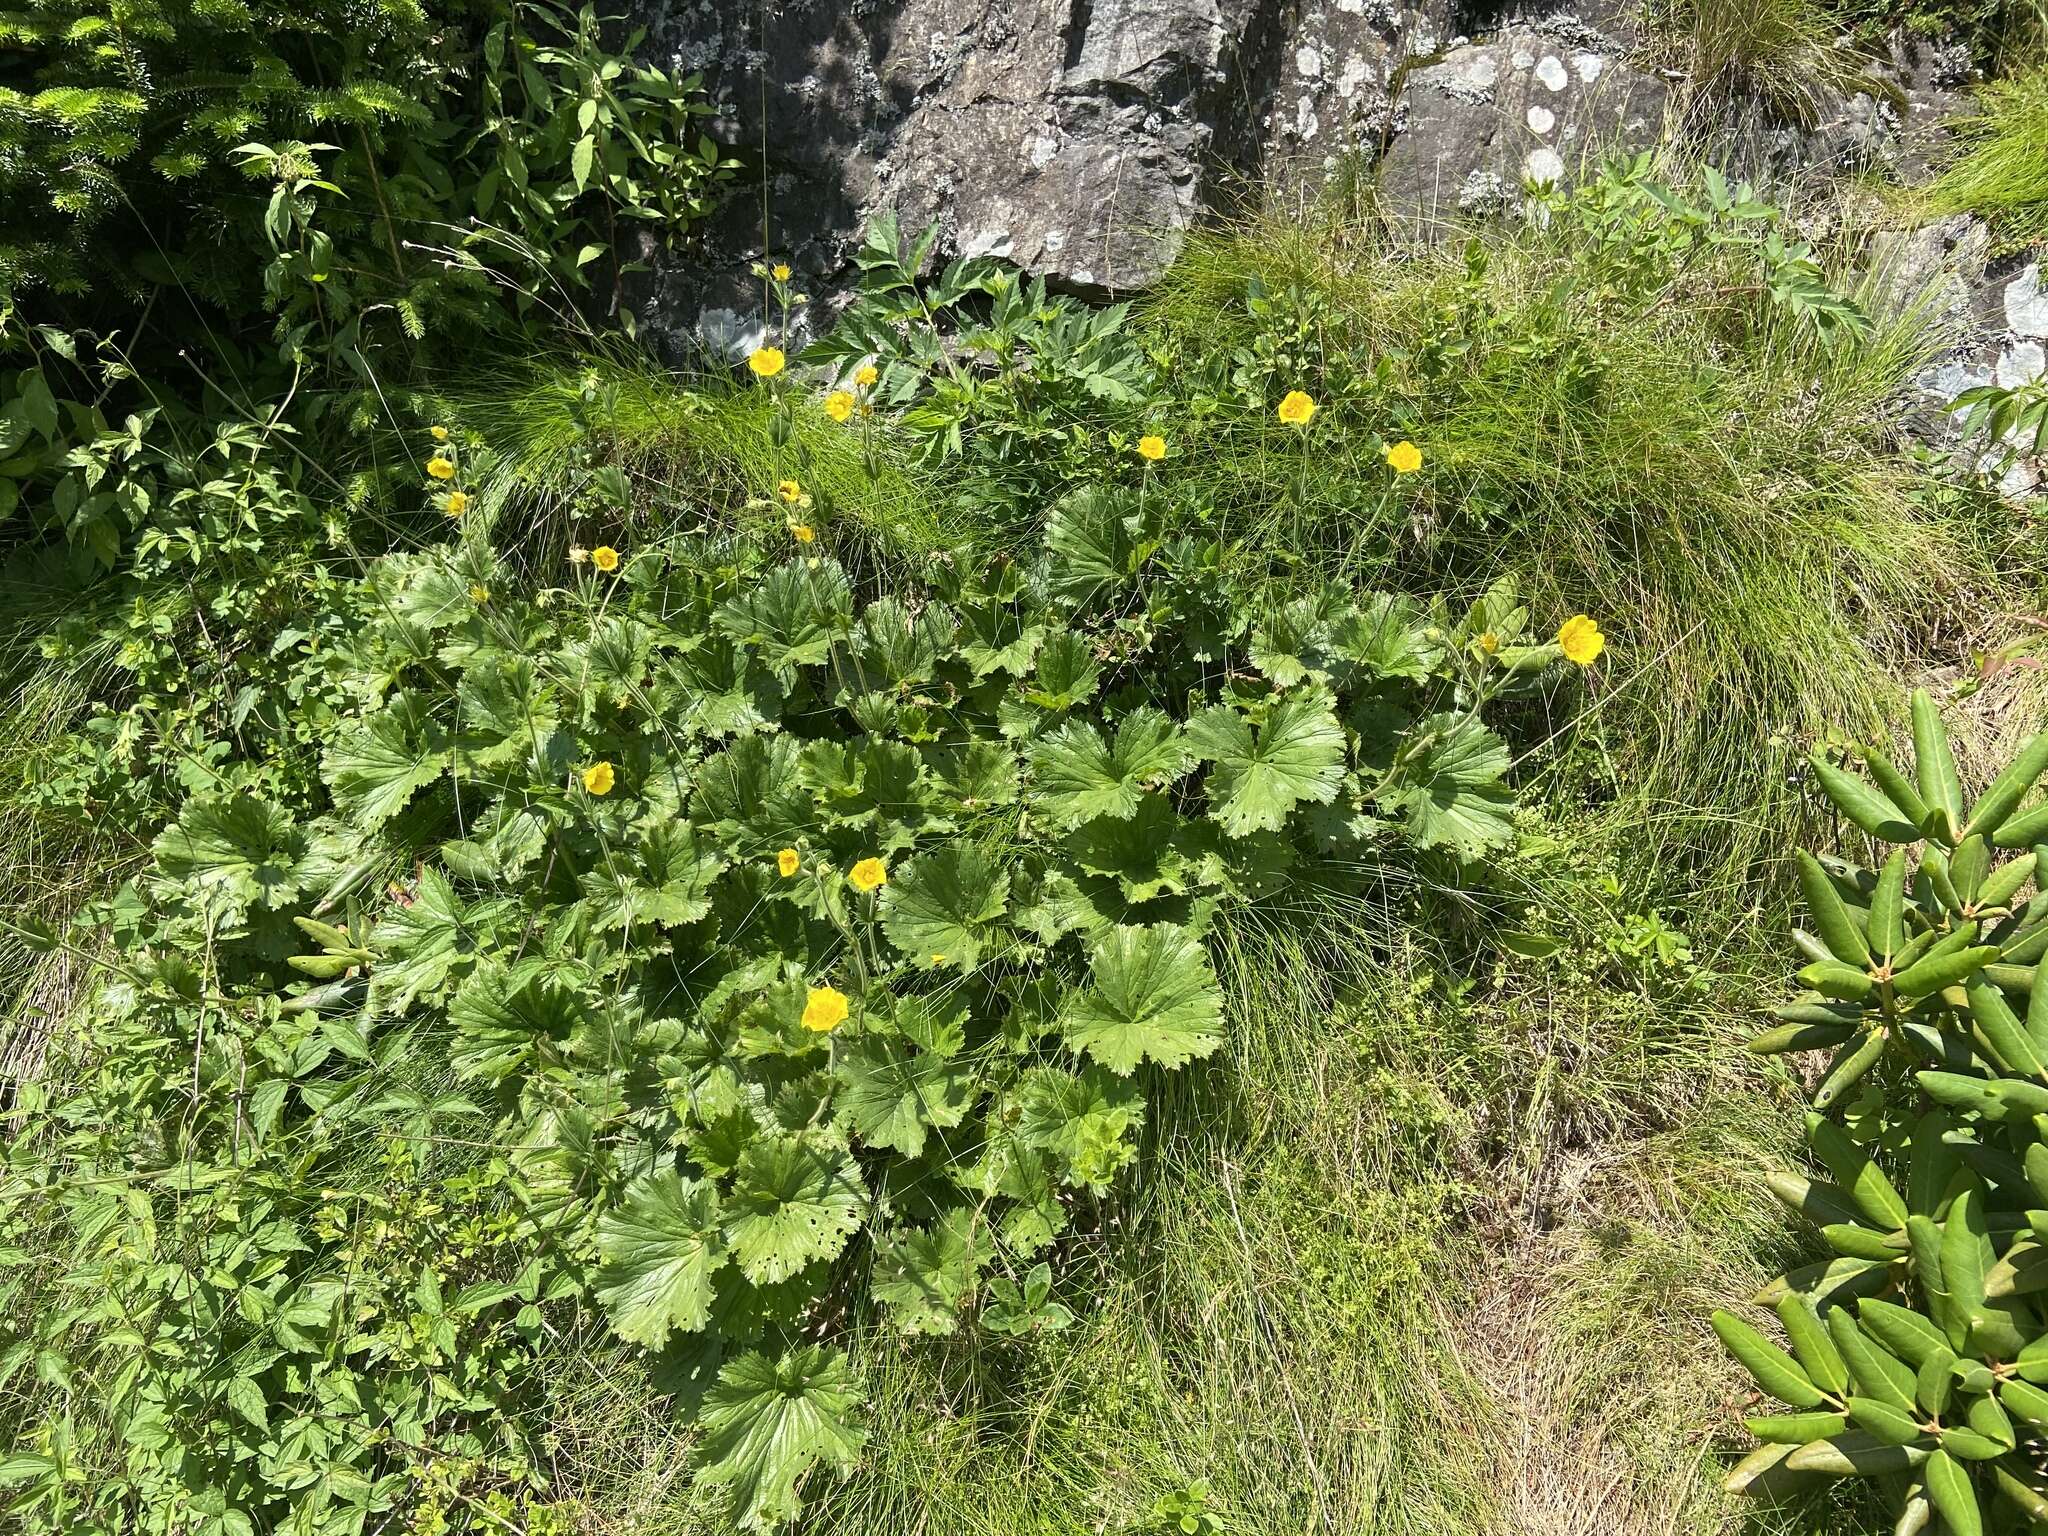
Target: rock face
x,y
1081,139
1524,106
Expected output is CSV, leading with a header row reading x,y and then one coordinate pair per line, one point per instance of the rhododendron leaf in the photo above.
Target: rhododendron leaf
x,y
768,1421
1259,777
944,908
1450,791
1077,777
791,1204
661,1246
1152,997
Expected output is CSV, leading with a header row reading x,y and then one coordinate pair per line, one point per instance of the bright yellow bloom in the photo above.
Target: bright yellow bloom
x,y
605,558
1581,640
1404,458
803,533
789,490
1153,448
440,434
839,405
1296,408
866,374
457,503
780,272
868,874
441,468
479,594
938,959
787,863
824,1010
1489,642
598,778
766,361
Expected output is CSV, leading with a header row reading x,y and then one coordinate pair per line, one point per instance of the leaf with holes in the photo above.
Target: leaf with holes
x,y
791,1204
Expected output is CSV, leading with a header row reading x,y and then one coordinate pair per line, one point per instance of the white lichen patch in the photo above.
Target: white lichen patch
x,y
1551,72
1545,166
1541,120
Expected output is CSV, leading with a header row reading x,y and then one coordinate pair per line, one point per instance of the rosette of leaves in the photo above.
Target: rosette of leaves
x,y
1068,767
1918,1348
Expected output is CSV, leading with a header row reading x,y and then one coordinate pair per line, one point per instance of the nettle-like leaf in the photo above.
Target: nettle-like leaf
x,y
1076,776
1152,997
768,1421
662,1247
945,907
792,615
1067,673
1258,778
791,1204
893,1094
240,846
1449,788
927,1277
378,763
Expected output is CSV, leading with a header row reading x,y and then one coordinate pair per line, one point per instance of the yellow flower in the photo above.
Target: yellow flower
x,y
479,594
457,503
937,958
1489,642
1581,640
605,558
839,405
787,863
789,490
866,374
824,1010
440,434
868,874
1296,408
1404,458
780,272
598,778
1153,448
765,361
441,468
803,533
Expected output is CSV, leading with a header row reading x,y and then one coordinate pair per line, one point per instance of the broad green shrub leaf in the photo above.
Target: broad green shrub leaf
x,y
1067,673
995,637
1077,777
665,881
661,1247
1389,638
1141,853
926,1277
1259,777
420,942
238,845
1450,792
792,615
896,649
791,1204
1091,543
1086,1121
751,793
1152,997
769,1421
894,1094
377,764
506,1016
944,907
716,688
503,714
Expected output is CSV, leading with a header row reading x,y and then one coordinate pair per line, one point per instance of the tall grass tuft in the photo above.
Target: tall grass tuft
x,y
2000,168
